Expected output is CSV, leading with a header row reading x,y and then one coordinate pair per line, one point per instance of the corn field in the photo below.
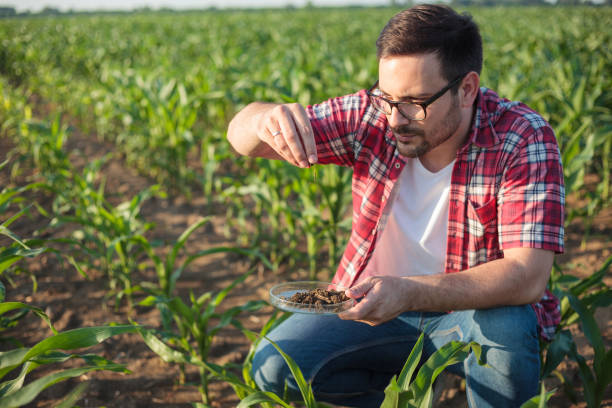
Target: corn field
x,y
159,88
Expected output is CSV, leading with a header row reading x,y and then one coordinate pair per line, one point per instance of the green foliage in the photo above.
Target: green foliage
x,y
15,392
580,298
167,96
191,328
416,390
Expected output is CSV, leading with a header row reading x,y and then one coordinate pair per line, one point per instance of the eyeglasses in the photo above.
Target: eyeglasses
x,y
409,110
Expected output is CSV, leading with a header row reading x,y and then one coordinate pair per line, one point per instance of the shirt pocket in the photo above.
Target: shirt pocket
x,y
485,214
482,229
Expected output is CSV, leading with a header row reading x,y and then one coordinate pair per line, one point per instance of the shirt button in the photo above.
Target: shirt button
x,y
397,165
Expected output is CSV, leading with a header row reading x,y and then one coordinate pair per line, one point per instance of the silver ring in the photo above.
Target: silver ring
x,y
278,132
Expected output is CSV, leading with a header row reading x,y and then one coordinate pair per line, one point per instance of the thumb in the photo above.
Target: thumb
x,y
360,290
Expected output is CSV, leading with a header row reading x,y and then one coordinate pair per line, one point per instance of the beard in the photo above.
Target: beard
x,y
414,142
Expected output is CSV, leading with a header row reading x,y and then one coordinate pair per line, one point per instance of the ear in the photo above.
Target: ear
x,y
468,90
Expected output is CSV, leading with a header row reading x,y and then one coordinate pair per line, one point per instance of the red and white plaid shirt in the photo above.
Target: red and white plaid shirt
x,y
506,187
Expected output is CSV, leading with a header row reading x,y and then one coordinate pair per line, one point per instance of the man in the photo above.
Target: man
x,y
457,213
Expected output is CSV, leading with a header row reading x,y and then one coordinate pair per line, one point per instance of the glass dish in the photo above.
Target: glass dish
x,y
280,294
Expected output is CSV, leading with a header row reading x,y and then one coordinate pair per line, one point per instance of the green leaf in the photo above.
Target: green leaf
x,y
391,394
590,328
182,240
30,391
166,353
593,280
539,401
556,351
77,338
451,353
11,359
305,387
411,364
261,396
9,306
73,397
605,375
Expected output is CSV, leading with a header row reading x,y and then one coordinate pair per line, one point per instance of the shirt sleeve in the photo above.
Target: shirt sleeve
x,y
532,194
336,123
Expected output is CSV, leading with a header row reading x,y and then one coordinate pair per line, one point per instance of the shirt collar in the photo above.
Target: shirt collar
x,y
482,133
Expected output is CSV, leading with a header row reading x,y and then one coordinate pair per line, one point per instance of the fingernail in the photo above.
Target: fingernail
x,y
303,164
312,158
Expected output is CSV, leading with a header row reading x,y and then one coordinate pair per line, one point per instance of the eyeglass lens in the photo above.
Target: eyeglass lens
x,y
410,110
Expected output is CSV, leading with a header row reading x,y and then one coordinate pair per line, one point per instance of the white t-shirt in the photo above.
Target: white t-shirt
x,y
413,236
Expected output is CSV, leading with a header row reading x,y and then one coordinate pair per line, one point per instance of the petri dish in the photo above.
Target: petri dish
x,y
280,297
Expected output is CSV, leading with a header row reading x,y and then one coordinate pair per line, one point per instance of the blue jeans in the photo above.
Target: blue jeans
x,y
350,363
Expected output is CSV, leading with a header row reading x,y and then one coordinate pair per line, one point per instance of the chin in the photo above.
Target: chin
x,y
412,151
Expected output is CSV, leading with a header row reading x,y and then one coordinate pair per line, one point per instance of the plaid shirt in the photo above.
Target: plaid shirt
x,y
506,187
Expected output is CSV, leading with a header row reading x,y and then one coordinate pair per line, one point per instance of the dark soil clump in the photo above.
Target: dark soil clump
x,y
318,297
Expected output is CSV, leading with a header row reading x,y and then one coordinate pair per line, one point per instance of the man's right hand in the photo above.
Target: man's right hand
x,y
286,129
274,131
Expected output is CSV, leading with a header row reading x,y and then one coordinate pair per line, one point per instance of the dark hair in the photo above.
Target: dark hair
x,y
434,28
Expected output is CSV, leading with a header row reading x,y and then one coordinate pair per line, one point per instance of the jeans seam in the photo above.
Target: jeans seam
x,y
356,347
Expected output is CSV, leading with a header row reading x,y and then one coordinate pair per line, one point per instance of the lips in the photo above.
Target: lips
x,y
405,137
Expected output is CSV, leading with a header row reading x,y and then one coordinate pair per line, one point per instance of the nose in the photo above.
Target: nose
x,y
396,119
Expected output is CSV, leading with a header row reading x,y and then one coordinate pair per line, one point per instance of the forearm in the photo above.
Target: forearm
x,y
502,282
519,278
242,131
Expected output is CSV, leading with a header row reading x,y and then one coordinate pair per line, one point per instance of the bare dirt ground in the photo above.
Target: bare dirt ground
x,y
73,301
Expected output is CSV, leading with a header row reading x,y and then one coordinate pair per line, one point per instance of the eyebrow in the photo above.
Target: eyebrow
x,y
407,97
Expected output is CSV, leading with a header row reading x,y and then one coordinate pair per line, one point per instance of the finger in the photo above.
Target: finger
x,y
293,139
369,322
305,129
357,312
360,290
276,139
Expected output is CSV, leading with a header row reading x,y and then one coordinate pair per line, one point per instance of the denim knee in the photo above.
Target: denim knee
x,y
510,348
514,327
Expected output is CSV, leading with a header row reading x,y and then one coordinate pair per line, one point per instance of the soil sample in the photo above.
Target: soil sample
x,y
320,298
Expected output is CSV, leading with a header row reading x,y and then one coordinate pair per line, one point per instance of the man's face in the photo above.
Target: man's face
x,y
416,78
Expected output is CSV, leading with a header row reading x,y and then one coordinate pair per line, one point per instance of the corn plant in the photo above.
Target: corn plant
x,y
269,397
105,232
274,320
329,190
212,155
416,390
270,200
194,331
170,355
579,300
161,123
170,268
539,401
18,248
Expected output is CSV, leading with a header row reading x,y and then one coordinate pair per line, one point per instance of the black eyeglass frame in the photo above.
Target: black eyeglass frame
x,y
423,105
